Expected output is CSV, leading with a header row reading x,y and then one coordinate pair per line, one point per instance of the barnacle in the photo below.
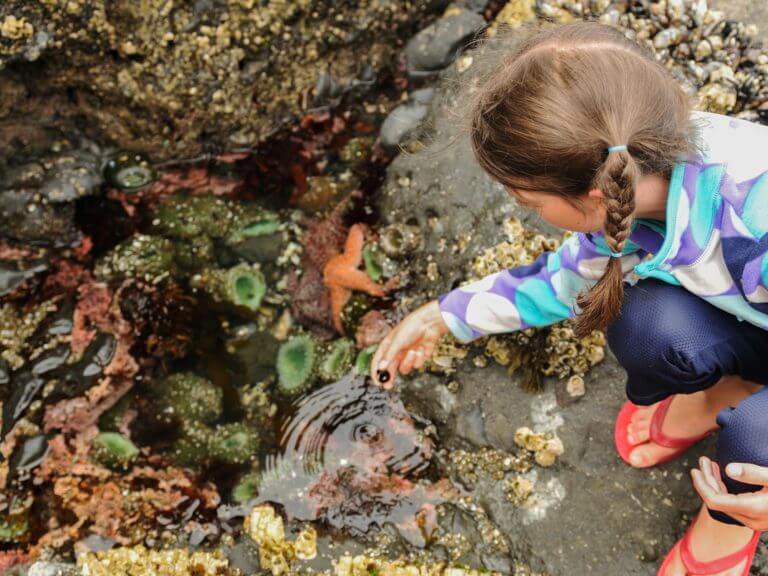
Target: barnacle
x,y
114,450
276,554
447,353
337,359
522,247
399,240
139,561
545,445
241,286
129,171
297,364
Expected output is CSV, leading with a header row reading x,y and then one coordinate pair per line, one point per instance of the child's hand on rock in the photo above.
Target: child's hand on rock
x,y
408,345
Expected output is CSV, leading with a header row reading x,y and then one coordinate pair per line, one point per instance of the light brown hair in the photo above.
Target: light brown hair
x,y
550,99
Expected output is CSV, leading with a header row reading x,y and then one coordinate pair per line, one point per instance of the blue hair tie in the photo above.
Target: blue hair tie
x,y
617,147
616,254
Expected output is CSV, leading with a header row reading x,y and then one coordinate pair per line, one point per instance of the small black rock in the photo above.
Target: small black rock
x,y
383,376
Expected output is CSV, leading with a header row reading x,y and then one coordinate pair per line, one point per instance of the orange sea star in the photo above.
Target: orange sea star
x,y
341,274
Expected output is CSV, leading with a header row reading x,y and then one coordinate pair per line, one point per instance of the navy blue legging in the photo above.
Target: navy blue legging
x,y
670,341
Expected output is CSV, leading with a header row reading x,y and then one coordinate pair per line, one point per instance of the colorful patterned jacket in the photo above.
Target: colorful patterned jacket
x,y
713,243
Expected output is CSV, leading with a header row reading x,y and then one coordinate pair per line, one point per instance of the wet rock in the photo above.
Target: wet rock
x,y
192,80
36,198
405,119
12,276
25,387
28,455
429,191
437,45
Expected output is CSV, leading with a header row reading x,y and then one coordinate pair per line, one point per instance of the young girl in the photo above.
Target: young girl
x,y
670,256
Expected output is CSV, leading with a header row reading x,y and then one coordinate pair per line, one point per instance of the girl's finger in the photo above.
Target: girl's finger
x,y
705,467
392,368
408,361
748,473
379,354
421,358
401,339
729,503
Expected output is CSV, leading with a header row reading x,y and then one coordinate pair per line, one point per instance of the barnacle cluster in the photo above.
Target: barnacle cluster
x,y
363,565
446,355
470,465
552,351
17,328
140,561
546,446
522,246
276,554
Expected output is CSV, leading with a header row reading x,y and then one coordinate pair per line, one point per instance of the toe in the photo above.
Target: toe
x,y
638,433
648,455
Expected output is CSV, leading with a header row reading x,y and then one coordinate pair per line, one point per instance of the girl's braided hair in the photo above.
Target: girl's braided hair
x,y
550,99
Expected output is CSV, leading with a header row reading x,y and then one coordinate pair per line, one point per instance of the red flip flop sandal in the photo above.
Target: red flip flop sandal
x,y
623,446
693,566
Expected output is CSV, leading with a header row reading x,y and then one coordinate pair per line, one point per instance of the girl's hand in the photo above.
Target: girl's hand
x,y
749,508
409,344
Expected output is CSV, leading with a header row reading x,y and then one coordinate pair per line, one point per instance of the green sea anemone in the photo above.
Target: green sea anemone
x,y
363,360
194,446
337,360
129,171
296,364
191,216
187,397
114,450
234,443
146,257
194,254
372,258
247,488
242,286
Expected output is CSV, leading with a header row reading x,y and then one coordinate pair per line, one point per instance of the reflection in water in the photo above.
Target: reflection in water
x,y
349,455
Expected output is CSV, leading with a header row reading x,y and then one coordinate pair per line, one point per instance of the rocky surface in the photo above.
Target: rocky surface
x,y
176,80
595,514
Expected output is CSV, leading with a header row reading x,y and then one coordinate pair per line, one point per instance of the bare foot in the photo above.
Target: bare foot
x,y
711,540
688,415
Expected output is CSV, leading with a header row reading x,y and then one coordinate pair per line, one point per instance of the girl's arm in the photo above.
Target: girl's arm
x,y
541,293
538,294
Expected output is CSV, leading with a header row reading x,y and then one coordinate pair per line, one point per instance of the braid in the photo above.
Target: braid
x,y
617,178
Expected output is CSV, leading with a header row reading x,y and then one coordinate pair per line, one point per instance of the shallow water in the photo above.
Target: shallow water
x,y
349,454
